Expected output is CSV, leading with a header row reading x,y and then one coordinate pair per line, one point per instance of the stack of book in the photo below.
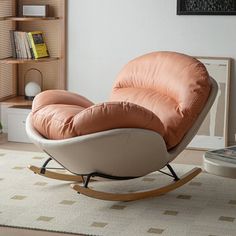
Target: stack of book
x,y
227,154
28,45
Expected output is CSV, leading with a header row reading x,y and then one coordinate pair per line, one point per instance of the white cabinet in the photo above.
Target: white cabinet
x,y
16,119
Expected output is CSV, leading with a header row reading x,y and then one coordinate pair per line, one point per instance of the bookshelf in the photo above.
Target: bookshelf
x,y
12,70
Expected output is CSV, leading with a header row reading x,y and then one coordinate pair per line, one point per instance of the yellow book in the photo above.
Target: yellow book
x,y
38,44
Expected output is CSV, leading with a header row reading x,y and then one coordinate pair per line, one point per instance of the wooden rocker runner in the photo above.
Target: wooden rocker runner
x,y
138,195
53,174
157,105
177,182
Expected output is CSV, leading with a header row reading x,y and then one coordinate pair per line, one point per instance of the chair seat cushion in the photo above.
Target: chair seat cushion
x,y
60,121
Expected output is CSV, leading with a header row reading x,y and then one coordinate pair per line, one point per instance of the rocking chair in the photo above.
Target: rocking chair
x,y
157,105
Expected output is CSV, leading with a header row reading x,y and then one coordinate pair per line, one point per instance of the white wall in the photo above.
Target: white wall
x,y
105,34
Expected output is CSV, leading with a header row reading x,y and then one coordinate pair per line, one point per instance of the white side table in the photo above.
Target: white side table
x,y
219,167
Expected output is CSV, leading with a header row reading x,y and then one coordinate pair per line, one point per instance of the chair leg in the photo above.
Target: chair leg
x,y
138,195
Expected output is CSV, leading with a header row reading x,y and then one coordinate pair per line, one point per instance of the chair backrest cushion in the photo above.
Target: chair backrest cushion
x,y
174,86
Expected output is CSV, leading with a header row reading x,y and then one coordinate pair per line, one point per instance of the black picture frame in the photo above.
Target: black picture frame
x,y
206,7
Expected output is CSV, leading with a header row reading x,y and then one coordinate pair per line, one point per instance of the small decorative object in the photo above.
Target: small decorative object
x,y
33,83
206,7
35,10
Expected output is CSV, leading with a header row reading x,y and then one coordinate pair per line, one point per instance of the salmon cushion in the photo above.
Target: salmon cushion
x,y
161,91
61,115
174,86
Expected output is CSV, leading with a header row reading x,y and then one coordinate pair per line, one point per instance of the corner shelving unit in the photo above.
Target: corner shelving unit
x,y
12,70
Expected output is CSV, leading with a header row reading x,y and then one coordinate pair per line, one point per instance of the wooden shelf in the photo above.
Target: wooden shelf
x,y
12,60
13,70
19,101
14,18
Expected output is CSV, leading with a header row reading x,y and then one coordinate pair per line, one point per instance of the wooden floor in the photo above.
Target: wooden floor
x,y
186,157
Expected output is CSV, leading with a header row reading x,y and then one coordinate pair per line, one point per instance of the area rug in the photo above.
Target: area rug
x,y
205,206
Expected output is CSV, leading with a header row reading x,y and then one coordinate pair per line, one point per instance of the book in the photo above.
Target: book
x,y
38,44
18,52
27,46
13,46
30,46
226,154
23,51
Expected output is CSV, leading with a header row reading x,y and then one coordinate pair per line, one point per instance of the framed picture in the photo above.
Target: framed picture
x,y
213,133
206,7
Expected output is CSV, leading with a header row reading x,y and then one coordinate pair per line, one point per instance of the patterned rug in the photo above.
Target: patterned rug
x,y
204,207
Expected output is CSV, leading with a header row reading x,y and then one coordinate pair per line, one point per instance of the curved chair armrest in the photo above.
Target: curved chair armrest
x,y
60,121
194,129
50,97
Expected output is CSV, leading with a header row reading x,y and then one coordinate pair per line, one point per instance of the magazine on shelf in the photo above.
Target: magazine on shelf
x,y
226,154
38,44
